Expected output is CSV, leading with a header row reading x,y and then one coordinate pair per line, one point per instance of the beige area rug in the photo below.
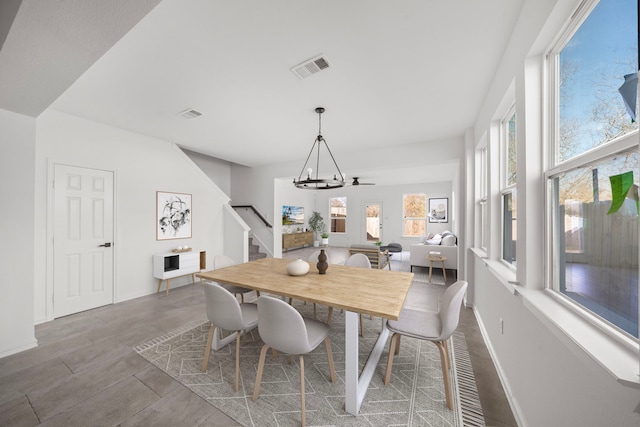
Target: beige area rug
x,y
415,396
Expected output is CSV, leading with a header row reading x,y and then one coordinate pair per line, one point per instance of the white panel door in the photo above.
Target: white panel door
x,y
82,239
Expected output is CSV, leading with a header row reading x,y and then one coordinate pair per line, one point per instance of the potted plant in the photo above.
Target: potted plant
x,y
325,239
316,224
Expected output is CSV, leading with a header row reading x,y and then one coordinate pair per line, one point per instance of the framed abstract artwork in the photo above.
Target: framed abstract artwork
x,y
173,215
439,210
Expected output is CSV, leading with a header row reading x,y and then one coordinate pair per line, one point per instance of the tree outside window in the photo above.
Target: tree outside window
x,y
414,215
594,257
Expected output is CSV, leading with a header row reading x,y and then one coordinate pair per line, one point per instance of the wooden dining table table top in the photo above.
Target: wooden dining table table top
x,y
380,293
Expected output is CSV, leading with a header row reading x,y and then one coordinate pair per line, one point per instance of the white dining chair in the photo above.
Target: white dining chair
x,y
361,261
313,258
283,328
225,312
221,261
435,326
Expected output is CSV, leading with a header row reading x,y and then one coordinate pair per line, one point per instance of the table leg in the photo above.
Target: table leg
x,y
219,342
351,362
356,388
430,269
444,273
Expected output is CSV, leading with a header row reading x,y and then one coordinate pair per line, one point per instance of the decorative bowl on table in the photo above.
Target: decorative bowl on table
x,y
298,267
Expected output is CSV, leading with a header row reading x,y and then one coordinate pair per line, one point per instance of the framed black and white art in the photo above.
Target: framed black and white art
x,y
439,210
173,218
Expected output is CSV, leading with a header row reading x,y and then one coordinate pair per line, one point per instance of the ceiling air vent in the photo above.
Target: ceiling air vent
x,y
310,67
190,113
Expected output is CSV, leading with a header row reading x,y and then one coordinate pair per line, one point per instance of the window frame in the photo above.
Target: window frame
x,y
506,188
332,218
405,218
556,168
483,195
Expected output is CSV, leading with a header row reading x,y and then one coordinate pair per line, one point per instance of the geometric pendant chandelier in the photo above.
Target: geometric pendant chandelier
x,y
313,182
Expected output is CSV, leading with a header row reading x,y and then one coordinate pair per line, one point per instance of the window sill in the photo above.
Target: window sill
x,y
501,271
618,356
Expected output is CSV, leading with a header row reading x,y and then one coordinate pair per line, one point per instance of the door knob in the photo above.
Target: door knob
x,y
106,245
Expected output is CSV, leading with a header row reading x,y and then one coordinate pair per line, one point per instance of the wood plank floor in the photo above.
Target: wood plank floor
x,y
84,371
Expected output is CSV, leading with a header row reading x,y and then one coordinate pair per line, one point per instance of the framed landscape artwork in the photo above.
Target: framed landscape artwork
x,y
439,210
173,215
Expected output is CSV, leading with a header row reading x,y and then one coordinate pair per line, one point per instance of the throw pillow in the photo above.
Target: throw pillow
x,y
435,240
449,240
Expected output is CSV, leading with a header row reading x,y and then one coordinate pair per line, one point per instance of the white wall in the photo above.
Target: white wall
x,y
17,182
269,187
142,165
549,378
218,170
390,197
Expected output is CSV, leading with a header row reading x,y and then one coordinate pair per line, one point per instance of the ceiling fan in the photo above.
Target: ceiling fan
x,y
357,182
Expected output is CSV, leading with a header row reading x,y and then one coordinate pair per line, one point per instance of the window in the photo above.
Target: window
x,y
484,179
509,217
338,212
414,212
594,253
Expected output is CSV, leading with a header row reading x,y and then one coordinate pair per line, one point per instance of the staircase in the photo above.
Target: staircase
x,y
254,251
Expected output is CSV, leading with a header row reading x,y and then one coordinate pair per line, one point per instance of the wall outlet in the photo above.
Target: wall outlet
x,y
501,326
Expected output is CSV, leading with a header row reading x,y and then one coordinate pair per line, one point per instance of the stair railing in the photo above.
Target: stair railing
x,y
255,211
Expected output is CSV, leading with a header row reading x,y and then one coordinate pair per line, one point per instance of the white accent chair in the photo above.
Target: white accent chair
x,y
434,326
222,261
283,328
225,312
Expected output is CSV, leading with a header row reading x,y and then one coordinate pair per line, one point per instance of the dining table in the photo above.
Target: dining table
x,y
380,293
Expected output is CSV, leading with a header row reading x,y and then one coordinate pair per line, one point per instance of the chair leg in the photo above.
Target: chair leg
x,y
397,349
444,360
392,345
332,369
314,311
207,350
237,360
256,387
303,417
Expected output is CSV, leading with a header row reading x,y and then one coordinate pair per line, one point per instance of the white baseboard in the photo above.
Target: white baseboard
x,y
513,402
17,349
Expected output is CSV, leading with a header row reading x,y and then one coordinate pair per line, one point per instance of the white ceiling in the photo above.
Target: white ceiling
x,y
401,72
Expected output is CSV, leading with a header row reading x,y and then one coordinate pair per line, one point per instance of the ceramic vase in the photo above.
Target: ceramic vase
x,y
298,268
322,262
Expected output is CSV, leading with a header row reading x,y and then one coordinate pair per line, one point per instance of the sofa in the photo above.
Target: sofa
x,y
445,243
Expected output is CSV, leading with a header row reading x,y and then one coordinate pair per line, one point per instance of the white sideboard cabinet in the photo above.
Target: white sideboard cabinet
x,y
175,264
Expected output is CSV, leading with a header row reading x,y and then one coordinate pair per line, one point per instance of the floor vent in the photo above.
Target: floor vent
x,y
310,67
190,113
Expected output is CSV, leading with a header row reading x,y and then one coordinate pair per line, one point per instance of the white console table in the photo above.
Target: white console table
x,y
175,264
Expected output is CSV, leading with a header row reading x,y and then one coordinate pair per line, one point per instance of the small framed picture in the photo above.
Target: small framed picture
x,y
173,215
439,210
